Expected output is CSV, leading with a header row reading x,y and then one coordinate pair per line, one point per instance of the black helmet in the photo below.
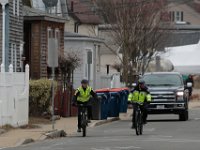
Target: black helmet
x,y
141,81
84,81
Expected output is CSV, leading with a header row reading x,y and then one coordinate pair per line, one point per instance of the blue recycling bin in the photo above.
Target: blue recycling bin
x,y
103,106
114,104
124,101
123,93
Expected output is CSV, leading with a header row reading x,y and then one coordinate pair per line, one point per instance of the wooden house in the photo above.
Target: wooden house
x,y
39,27
11,34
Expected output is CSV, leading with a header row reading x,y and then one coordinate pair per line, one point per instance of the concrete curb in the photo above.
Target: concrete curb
x,y
53,135
25,141
101,122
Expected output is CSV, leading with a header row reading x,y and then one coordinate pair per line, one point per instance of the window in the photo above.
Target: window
x,y
17,7
176,16
50,33
14,56
14,7
57,37
88,65
43,5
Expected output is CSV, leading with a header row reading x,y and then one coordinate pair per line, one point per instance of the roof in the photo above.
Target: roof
x,y
157,73
180,35
31,14
82,11
188,69
75,36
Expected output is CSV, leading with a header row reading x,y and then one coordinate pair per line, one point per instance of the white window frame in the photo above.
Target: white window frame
x,y
178,15
57,37
86,73
18,7
14,7
14,56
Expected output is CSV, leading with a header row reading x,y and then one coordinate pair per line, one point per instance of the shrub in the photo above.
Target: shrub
x,y
40,96
197,82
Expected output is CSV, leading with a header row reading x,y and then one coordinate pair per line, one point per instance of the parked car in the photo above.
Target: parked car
x,y
169,94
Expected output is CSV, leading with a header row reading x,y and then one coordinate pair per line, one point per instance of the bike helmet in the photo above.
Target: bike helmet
x,y
141,81
84,81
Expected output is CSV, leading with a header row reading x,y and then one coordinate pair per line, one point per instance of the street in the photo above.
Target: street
x,y
162,132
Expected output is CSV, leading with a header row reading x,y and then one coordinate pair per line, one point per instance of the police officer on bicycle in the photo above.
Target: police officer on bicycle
x,y
82,96
140,94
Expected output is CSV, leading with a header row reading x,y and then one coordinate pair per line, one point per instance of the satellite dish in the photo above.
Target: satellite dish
x,y
50,3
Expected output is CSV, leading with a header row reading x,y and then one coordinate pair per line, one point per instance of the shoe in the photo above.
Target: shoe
x,y
79,130
89,121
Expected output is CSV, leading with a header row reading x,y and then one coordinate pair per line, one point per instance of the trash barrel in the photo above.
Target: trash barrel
x,y
123,98
114,106
101,108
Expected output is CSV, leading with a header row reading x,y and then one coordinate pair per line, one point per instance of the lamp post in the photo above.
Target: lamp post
x,y
3,3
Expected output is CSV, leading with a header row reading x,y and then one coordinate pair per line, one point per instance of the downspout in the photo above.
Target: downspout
x,y
3,32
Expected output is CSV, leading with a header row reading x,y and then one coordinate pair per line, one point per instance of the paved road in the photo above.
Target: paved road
x,y
159,134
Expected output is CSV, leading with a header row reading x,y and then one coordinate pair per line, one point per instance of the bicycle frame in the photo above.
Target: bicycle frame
x,y
84,118
138,119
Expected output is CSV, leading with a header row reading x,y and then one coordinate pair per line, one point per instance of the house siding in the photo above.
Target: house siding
x,y
44,44
35,50
190,15
14,33
0,34
37,53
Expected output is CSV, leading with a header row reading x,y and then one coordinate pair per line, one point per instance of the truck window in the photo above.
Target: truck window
x,y
163,80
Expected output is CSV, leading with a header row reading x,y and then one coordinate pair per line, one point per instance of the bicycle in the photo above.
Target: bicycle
x,y
138,119
84,118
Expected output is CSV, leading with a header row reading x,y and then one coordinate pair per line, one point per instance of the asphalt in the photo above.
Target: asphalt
x,y
161,133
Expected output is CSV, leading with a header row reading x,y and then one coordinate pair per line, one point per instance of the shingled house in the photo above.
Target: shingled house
x,y
39,27
11,34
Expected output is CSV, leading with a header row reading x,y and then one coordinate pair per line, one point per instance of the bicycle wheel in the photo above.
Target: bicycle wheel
x,y
84,131
84,125
141,124
137,124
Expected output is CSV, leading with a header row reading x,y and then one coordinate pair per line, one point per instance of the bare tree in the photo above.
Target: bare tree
x,y
135,28
67,64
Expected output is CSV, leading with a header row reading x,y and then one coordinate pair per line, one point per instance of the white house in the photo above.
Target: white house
x,y
88,49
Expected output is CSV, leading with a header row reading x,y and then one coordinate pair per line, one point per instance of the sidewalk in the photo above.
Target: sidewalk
x,y
14,136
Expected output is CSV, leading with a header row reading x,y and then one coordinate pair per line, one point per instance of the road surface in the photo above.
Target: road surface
x,y
161,133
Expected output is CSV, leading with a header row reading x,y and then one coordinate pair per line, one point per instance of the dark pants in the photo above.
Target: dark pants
x,y
144,111
89,112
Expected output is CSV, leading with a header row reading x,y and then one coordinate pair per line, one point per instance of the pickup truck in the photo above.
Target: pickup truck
x,y
169,94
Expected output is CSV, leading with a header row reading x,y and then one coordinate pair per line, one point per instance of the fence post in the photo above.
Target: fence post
x,y
27,75
27,92
11,68
2,68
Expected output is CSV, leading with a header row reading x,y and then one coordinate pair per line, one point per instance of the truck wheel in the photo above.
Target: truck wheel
x,y
184,116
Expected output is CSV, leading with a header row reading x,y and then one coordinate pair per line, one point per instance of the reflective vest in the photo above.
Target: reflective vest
x,y
140,97
84,95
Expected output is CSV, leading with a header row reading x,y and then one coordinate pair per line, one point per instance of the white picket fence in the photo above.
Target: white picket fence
x,y
14,97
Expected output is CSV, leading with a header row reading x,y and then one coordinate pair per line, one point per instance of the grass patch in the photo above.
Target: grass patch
x,y
39,120
7,127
